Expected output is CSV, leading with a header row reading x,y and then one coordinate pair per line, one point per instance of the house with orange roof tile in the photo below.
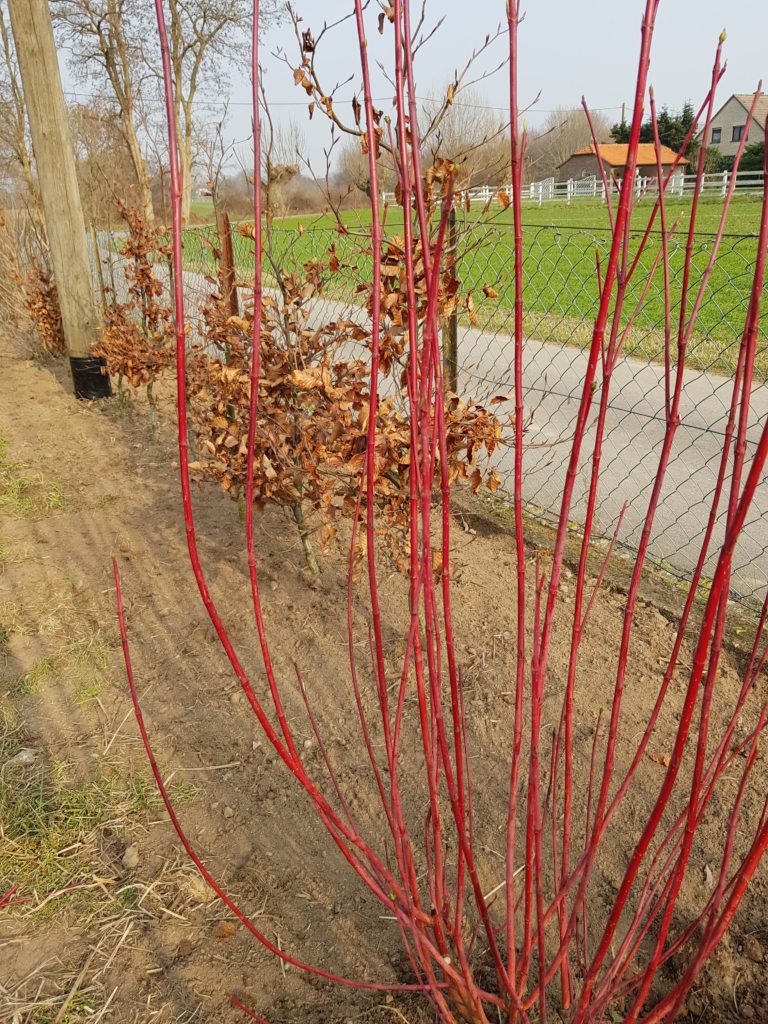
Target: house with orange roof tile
x,y
584,163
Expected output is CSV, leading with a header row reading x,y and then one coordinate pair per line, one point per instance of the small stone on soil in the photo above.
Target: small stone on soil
x,y
131,857
25,757
228,812
753,949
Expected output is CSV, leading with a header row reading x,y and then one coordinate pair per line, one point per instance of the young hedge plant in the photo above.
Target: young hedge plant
x,y
550,947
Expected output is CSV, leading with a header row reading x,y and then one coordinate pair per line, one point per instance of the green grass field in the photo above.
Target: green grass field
x,y
561,292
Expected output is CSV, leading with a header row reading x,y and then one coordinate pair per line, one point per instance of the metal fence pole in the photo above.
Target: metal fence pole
x,y
99,268
451,326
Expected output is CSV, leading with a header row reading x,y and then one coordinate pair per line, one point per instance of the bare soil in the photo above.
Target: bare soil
x,y
146,942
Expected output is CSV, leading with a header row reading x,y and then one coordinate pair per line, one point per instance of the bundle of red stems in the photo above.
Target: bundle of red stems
x,y
545,948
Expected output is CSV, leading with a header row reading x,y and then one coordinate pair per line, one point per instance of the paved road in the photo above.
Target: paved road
x,y
635,428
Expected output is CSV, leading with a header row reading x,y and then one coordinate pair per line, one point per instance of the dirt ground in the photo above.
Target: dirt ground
x,y
140,937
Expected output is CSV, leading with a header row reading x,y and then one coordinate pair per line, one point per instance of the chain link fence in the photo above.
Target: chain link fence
x,y
561,297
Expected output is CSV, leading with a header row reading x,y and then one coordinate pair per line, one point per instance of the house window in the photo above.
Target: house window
x,y
738,132
717,134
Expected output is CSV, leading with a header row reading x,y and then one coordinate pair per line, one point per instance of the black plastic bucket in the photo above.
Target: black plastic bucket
x,y
90,377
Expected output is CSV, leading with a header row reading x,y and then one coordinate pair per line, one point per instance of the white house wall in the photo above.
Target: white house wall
x,y
731,115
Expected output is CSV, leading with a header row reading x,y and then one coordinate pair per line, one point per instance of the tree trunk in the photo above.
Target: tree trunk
x,y
185,157
309,553
139,167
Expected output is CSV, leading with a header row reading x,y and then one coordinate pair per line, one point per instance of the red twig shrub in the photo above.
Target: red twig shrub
x,y
547,948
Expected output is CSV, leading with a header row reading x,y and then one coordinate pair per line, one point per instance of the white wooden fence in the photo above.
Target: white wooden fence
x,y
591,187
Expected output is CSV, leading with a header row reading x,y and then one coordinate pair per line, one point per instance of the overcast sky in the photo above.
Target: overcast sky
x,y
567,48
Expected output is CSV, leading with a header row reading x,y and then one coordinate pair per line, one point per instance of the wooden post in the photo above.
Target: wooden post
x,y
55,160
227,272
451,326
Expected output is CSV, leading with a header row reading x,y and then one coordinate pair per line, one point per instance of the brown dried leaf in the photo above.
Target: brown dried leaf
x,y
471,310
493,483
664,759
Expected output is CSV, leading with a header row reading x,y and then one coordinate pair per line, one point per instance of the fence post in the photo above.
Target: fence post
x,y
227,273
569,190
451,324
724,188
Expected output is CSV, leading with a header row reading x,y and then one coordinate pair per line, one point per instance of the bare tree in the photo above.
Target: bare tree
x,y
214,154
281,162
14,136
204,38
465,131
153,129
106,39
105,170
353,169
468,132
563,132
